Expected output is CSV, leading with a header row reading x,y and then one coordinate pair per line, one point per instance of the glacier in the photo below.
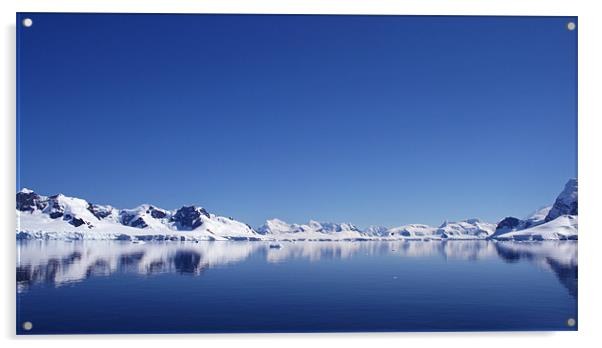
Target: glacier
x,y
68,218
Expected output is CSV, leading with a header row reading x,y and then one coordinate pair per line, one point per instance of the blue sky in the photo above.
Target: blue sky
x,y
372,120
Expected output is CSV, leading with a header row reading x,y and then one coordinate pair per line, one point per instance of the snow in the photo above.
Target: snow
x,y
561,228
538,216
60,217
37,225
412,231
471,228
143,212
75,207
558,221
377,231
326,231
464,229
312,231
566,203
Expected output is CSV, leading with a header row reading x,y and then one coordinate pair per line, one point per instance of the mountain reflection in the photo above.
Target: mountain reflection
x,y
58,262
558,257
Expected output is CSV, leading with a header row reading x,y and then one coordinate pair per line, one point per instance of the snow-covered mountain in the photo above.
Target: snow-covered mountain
x,y
471,228
563,227
62,217
558,221
313,230
566,203
465,229
412,231
511,223
376,231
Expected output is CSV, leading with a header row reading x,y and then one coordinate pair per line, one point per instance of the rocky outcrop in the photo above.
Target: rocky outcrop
x,y
189,217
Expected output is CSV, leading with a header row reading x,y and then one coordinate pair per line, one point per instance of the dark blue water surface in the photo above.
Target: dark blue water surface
x,y
177,287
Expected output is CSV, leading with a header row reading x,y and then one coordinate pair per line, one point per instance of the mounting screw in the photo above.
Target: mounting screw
x,y
571,26
27,325
27,22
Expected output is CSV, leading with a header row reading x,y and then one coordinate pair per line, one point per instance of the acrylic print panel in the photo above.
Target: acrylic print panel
x,y
291,173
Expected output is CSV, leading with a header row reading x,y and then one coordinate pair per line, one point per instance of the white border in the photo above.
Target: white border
x,y
590,175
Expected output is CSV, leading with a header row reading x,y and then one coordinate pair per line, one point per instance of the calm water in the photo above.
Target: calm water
x,y
122,287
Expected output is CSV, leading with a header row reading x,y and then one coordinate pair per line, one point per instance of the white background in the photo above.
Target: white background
x,y
590,146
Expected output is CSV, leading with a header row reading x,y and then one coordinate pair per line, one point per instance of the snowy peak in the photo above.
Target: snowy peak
x,y
72,210
538,217
377,231
275,226
563,227
466,228
510,223
558,221
144,216
313,230
60,216
566,203
27,200
413,231
101,211
331,227
156,213
189,217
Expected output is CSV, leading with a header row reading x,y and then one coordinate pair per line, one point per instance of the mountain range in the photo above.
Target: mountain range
x,y
62,217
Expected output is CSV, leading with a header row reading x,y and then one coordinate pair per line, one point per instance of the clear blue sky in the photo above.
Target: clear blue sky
x,y
371,120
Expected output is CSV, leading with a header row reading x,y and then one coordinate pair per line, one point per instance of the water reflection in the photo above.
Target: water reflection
x,y
58,262
557,257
